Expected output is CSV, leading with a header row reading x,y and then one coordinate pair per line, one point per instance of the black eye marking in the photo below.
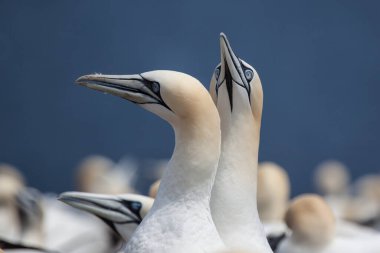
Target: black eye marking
x,y
155,87
135,208
248,74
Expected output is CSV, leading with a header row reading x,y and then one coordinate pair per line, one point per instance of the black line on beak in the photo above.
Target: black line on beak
x,y
228,78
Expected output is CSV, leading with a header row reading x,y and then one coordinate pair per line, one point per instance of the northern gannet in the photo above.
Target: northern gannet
x,y
154,189
90,172
98,174
11,182
313,226
273,190
332,181
364,208
69,231
123,213
180,219
31,213
237,92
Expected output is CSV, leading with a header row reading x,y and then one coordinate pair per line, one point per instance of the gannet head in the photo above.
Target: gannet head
x,y
30,212
364,208
311,220
90,172
174,96
237,81
273,189
332,178
154,189
11,182
123,213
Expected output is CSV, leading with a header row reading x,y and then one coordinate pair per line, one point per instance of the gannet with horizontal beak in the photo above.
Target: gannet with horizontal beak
x,y
180,219
122,213
237,92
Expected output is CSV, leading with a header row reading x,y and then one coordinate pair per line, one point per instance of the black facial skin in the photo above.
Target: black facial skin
x,y
153,86
133,216
247,77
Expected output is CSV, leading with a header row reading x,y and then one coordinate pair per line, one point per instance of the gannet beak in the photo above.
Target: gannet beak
x,y
111,209
134,88
229,61
230,69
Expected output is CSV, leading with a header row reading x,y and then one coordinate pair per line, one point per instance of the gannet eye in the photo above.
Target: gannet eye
x,y
155,87
217,73
136,205
248,74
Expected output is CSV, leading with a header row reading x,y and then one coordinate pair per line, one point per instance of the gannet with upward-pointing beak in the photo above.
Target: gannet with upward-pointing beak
x,y
180,219
237,92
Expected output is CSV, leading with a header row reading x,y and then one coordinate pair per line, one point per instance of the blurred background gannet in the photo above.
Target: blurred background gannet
x,y
364,207
154,189
180,219
313,226
273,190
349,203
99,174
332,180
31,215
237,92
11,182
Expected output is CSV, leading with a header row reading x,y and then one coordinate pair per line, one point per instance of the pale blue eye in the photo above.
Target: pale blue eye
x,y
155,87
248,74
136,205
217,73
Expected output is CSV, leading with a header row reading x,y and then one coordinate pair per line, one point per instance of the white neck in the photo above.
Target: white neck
x,y
182,207
234,201
191,171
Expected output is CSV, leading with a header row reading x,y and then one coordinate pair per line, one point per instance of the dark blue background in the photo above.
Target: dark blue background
x,y
319,62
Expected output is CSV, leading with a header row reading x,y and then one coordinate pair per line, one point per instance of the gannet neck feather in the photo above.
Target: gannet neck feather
x,y
180,219
186,184
233,201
